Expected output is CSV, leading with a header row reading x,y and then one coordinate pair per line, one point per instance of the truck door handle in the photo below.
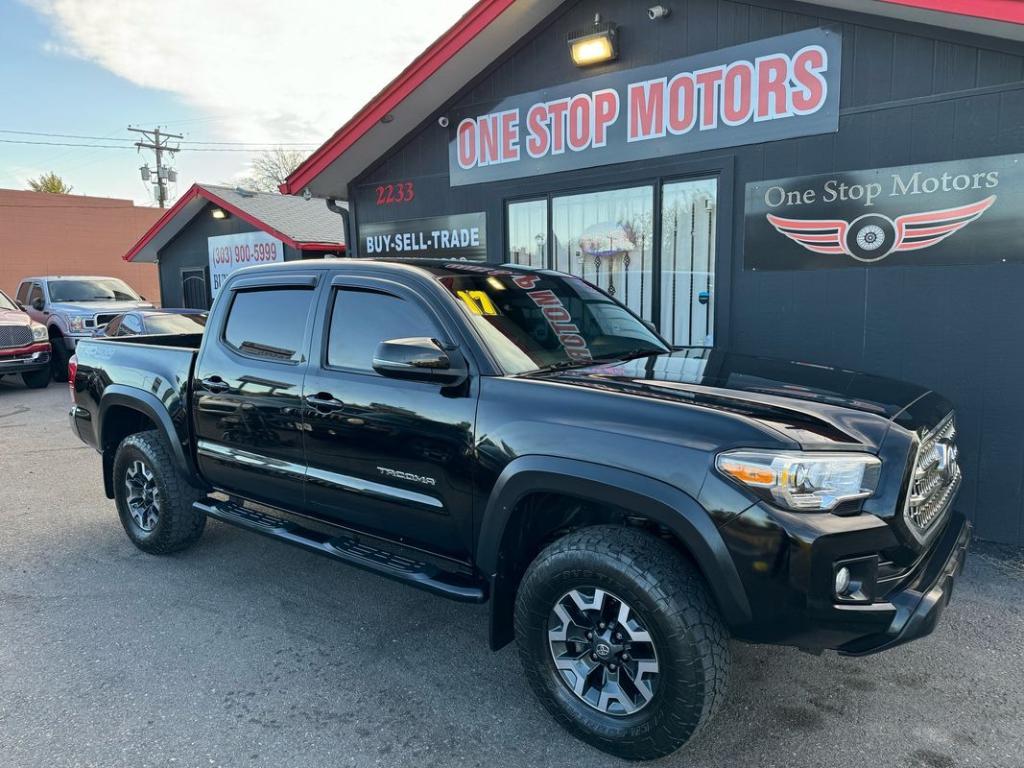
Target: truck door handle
x,y
214,384
324,401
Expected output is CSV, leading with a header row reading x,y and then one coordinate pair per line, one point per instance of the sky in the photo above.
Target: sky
x,y
253,73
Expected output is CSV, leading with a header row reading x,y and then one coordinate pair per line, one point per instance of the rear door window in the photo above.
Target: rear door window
x,y
269,324
23,292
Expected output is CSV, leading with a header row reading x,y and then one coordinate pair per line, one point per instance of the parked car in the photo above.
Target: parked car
x,y
24,346
519,437
72,307
152,322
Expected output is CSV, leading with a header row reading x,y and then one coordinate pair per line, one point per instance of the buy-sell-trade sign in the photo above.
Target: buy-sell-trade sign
x,y
766,90
957,212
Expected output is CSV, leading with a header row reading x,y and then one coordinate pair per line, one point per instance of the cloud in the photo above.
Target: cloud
x,y
265,71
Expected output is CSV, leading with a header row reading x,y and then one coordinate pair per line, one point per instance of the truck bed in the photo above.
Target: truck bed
x,y
155,368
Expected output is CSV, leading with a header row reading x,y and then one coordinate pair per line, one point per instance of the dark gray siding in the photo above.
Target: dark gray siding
x,y
188,250
910,94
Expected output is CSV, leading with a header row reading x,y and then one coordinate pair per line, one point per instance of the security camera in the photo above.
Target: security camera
x,y
656,12
442,121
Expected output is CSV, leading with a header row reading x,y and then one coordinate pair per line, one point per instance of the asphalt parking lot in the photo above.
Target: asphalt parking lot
x,y
245,652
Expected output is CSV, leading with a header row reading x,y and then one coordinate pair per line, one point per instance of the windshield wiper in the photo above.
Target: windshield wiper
x,y
629,354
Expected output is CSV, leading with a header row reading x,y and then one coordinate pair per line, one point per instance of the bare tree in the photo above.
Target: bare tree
x,y
271,167
50,182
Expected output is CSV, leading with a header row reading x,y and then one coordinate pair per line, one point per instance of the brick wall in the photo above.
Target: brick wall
x,y
44,234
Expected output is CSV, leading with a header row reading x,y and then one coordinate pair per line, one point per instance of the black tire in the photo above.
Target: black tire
x,y
58,359
177,525
37,379
670,598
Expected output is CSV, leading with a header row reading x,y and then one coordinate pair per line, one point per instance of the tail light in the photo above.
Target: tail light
x,y
72,372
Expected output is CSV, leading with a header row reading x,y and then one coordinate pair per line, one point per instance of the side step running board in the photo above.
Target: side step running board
x,y
348,550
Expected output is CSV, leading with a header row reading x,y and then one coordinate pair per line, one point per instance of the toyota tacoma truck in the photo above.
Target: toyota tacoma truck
x,y
517,437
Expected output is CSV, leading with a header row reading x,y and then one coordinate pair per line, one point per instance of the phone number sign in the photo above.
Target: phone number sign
x,y
231,252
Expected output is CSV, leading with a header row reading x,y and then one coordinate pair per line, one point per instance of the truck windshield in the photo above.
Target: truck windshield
x,y
6,303
532,321
91,289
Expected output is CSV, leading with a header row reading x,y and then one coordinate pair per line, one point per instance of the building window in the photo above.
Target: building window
x,y
528,233
607,239
688,211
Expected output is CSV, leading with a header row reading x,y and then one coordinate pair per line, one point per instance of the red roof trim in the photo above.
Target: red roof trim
x,y
198,191
475,21
322,246
1011,11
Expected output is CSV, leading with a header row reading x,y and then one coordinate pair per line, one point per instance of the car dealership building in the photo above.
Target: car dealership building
x,y
838,182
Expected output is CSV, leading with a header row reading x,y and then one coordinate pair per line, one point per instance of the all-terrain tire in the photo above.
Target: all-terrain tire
x,y
58,358
670,596
37,379
177,525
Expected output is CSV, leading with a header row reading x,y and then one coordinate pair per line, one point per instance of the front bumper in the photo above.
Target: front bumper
x,y
919,604
25,359
787,563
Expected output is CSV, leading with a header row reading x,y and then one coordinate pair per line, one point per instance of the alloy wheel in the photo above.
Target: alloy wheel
x,y
143,497
603,651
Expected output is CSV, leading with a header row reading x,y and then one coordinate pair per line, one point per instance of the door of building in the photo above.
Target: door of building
x,y
193,289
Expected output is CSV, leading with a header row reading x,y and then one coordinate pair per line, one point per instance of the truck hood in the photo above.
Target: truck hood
x,y
813,405
91,308
14,317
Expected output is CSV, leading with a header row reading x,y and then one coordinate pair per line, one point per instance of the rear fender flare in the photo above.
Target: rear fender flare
x,y
149,405
649,498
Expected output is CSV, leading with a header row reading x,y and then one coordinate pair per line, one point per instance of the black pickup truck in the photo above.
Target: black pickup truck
x,y
518,437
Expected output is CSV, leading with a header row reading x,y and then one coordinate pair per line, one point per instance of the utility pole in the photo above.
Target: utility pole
x,y
157,141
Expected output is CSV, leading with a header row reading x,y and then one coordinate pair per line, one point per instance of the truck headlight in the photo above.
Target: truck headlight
x,y
39,332
76,323
802,481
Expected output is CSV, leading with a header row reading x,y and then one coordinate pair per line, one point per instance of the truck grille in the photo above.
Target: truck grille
x,y
104,319
15,336
936,477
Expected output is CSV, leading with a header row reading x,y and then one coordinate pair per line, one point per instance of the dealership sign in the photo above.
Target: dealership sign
x,y
766,90
231,252
460,236
959,212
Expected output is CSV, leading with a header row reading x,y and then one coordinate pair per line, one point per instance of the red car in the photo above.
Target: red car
x,y
24,345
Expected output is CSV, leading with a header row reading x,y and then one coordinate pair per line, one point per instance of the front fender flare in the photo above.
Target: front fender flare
x,y
647,497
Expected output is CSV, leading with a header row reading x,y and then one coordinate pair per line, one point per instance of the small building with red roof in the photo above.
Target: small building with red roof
x,y
213,230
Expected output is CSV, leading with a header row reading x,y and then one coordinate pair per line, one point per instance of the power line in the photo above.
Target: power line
x,y
132,146
260,144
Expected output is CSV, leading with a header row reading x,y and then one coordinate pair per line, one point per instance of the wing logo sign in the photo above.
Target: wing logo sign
x,y
872,237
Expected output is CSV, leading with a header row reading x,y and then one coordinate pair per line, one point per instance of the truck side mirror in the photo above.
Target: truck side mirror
x,y
38,305
419,359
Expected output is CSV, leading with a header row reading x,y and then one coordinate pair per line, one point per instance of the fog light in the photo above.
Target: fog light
x,y
842,581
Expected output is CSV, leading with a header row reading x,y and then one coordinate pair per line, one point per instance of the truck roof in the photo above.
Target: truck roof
x,y
436,268
69,277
